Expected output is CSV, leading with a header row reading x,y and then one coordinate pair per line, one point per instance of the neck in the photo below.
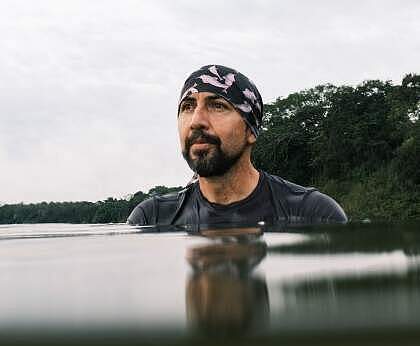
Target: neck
x,y
237,184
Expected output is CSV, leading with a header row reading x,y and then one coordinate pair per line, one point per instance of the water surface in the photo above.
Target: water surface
x,y
290,284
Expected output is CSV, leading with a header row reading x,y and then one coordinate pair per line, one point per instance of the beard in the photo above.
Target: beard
x,y
212,162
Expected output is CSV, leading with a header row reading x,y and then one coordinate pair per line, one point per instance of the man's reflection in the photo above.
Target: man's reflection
x,y
223,295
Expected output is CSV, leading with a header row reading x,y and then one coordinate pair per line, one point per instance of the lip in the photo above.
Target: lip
x,y
200,140
200,145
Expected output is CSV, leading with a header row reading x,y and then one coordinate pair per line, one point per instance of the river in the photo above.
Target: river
x,y
356,283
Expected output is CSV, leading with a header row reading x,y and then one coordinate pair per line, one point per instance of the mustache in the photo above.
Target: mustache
x,y
200,135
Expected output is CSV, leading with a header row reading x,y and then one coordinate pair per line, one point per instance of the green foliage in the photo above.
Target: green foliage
x,y
407,161
356,131
107,211
360,144
163,190
292,129
376,196
329,131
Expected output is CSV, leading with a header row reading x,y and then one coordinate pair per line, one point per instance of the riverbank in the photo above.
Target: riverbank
x,y
379,196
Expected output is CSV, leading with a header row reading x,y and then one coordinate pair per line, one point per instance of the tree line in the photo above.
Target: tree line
x,y
359,144
107,211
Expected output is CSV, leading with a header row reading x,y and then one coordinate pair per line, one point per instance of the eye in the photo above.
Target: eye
x,y
217,105
187,106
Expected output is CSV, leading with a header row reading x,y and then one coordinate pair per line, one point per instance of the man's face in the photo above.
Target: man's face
x,y
213,134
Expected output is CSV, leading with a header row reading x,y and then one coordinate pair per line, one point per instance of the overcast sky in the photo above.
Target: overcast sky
x,y
88,89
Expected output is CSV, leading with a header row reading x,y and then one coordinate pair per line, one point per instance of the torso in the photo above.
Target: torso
x,y
256,207
273,200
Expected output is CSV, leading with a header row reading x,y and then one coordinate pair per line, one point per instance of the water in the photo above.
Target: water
x,y
299,285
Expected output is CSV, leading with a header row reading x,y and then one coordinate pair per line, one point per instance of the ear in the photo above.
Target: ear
x,y
251,139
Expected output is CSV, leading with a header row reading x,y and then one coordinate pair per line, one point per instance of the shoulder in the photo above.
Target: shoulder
x,y
305,203
287,186
158,209
291,193
320,207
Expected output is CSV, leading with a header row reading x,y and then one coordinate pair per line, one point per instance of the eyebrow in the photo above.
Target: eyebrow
x,y
188,98
214,97
207,98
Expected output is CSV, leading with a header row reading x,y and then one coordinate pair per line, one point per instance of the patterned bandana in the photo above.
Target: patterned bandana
x,y
233,86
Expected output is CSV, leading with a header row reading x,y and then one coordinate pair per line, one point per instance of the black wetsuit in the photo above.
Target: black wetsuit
x,y
273,200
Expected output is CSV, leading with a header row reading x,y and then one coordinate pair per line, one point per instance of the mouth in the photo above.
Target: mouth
x,y
200,145
201,141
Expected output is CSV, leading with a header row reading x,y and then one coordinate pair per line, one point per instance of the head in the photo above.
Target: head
x,y
219,118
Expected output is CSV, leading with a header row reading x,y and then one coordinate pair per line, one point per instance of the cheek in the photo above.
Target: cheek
x,y
182,131
237,128
233,134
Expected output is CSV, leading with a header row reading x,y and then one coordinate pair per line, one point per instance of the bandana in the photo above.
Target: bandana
x,y
231,85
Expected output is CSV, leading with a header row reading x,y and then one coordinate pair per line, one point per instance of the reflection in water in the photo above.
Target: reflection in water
x,y
347,304
346,282
359,280
223,294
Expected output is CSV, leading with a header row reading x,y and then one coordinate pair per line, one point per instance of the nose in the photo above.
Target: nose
x,y
200,118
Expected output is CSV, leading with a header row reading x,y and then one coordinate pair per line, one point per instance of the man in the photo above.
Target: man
x,y
219,119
